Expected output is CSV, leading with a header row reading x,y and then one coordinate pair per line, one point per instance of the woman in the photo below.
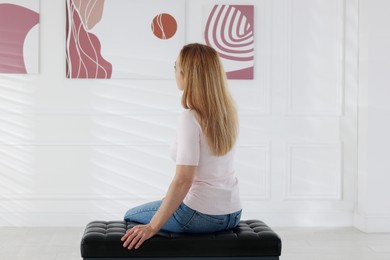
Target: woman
x,y
203,195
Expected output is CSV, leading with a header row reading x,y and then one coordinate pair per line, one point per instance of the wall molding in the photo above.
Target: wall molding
x,y
340,90
88,144
267,44
77,197
267,168
313,196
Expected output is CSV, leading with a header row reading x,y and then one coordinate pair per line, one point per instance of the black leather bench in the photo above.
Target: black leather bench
x,y
251,240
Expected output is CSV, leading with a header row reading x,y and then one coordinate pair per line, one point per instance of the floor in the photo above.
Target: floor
x,y
298,244
333,244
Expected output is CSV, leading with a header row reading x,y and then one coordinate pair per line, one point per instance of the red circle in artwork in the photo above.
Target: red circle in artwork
x,y
164,26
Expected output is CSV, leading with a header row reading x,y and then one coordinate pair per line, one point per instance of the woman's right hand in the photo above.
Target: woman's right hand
x,y
137,235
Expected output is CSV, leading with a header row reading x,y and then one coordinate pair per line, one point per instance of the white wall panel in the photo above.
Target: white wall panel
x,y
104,128
15,93
131,171
314,171
316,52
119,129
373,204
253,171
16,168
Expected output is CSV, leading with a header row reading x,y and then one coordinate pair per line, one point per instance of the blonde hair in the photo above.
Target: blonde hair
x,y
205,91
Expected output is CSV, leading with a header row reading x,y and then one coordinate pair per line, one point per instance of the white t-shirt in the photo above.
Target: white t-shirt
x,y
214,190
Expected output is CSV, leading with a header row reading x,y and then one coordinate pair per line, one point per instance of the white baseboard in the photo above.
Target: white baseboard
x,y
372,223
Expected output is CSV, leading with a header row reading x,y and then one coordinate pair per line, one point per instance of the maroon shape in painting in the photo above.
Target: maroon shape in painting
x,y
229,29
15,23
83,49
164,26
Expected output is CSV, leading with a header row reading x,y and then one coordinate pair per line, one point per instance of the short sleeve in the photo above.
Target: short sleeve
x,y
188,140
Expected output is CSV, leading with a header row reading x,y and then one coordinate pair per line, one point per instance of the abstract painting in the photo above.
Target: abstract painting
x,y
83,50
137,39
230,30
19,36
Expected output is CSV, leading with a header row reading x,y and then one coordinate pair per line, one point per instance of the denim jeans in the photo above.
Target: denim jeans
x,y
184,219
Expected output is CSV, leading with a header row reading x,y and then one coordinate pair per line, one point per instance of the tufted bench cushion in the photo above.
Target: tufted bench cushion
x,y
252,239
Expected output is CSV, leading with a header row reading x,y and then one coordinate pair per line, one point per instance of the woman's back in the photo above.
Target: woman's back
x,y
215,188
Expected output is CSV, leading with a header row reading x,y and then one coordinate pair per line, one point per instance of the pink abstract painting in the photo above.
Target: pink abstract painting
x,y
123,39
230,30
83,49
16,21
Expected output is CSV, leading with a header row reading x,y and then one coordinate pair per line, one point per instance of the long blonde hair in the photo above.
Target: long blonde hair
x,y
205,91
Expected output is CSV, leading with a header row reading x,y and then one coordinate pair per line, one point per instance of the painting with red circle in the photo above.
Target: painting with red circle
x,y
164,26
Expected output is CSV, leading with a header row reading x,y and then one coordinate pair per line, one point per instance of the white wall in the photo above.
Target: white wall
x,y
373,204
72,151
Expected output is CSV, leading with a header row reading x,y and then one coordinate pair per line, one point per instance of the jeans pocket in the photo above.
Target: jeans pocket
x,y
184,214
203,223
214,219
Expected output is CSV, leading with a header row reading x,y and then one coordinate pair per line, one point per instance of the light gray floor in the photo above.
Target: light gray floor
x,y
298,244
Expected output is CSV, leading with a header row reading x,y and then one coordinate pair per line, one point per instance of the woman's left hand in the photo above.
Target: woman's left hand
x,y
135,236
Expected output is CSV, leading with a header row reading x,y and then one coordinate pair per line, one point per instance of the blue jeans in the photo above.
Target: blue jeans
x,y
184,219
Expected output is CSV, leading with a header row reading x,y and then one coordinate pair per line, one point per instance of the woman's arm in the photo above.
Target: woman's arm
x,y
177,191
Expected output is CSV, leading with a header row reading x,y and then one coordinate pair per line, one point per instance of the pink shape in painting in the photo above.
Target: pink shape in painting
x,y
229,29
164,26
15,23
83,57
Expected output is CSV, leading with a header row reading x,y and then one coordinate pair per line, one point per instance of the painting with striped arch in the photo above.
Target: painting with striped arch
x,y
19,36
123,39
230,30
